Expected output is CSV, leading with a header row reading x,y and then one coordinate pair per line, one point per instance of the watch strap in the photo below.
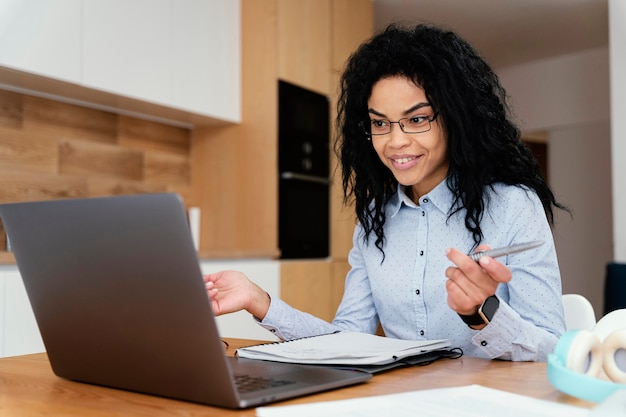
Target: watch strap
x,y
480,317
472,320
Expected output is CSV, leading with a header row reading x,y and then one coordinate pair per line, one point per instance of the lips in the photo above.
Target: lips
x,y
403,160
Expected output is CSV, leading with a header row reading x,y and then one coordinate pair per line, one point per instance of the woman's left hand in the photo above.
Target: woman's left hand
x,y
470,283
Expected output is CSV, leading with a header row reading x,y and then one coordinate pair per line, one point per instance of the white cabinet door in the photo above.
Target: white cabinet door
x,y
126,48
180,54
19,334
206,57
266,273
41,37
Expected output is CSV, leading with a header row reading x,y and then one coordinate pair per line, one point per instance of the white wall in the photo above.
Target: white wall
x,y
568,97
581,175
617,42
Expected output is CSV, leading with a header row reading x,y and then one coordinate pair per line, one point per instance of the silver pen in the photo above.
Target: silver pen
x,y
494,253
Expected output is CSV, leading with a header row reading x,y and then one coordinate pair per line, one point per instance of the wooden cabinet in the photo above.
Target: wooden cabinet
x,y
317,286
234,169
304,43
183,55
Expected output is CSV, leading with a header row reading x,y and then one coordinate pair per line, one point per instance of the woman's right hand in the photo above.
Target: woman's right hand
x,y
231,291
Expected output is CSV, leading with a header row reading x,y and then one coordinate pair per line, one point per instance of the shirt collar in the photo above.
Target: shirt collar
x,y
440,197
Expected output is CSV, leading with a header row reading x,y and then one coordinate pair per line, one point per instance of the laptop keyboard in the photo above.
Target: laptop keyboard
x,y
247,383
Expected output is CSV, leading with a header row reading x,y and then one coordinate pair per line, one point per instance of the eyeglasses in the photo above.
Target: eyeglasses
x,y
413,124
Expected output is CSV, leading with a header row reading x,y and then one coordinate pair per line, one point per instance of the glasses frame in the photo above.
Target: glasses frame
x,y
365,123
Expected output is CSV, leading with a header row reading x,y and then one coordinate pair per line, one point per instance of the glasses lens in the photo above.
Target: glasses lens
x,y
376,127
415,124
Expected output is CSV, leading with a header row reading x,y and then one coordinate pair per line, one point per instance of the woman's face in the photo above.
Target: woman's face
x,y
417,160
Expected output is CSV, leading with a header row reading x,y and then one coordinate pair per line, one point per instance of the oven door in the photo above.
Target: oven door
x,y
303,216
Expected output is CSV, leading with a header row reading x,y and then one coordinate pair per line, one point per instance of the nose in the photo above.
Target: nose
x,y
397,137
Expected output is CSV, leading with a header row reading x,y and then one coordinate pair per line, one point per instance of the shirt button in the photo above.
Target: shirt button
x,y
423,213
425,200
421,253
483,343
421,332
417,292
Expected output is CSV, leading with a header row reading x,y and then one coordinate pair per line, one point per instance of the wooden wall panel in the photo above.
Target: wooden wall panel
x,y
94,159
147,135
52,150
102,187
65,121
10,109
164,168
27,152
30,186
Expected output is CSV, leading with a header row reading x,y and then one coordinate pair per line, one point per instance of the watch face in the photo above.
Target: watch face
x,y
489,308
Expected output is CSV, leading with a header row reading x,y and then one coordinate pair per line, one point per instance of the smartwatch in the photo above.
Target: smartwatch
x,y
484,314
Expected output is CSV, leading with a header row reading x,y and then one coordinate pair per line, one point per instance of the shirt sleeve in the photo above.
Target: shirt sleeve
x,y
509,337
289,323
529,320
355,313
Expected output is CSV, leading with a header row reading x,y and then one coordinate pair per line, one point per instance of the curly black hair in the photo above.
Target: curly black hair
x,y
484,145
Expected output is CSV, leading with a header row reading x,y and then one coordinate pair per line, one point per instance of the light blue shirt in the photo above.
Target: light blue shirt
x,y
407,294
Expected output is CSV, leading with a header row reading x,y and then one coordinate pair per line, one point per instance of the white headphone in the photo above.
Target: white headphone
x,y
581,355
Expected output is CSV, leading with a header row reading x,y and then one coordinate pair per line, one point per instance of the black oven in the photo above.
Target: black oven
x,y
303,166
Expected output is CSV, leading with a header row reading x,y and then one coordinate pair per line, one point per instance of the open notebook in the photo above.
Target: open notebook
x,y
352,350
118,295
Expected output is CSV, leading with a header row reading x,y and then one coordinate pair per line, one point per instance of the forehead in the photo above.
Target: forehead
x,y
395,94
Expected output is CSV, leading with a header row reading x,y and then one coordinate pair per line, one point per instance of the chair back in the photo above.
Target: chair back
x,y
579,313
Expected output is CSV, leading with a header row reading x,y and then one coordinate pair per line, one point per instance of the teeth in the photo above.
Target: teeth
x,y
404,160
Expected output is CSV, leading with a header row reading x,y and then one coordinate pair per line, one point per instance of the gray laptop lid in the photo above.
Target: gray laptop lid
x,y
117,292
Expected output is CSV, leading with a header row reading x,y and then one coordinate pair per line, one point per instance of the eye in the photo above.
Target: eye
x,y
377,124
416,120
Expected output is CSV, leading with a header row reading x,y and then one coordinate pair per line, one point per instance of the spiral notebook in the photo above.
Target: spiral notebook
x,y
351,349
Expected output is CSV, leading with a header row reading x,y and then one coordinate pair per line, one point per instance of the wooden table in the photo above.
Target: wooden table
x,y
29,388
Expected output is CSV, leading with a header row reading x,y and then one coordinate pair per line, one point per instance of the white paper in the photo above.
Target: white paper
x,y
467,401
613,406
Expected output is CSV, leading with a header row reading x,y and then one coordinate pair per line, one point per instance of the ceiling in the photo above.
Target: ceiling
x,y
509,32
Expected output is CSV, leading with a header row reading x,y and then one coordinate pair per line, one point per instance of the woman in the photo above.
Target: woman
x,y
436,170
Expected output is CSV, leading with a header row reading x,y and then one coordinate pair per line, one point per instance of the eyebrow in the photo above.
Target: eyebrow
x,y
405,113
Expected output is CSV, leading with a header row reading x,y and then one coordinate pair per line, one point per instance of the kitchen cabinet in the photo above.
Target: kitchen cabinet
x,y
19,333
41,37
126,48
178,54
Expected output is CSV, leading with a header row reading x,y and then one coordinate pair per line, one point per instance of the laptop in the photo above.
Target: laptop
x,y
117,292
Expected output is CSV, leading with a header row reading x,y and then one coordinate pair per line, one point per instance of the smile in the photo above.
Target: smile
x,y
404,160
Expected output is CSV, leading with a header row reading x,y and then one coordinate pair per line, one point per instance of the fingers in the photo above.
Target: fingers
x,y
496,270
469,282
